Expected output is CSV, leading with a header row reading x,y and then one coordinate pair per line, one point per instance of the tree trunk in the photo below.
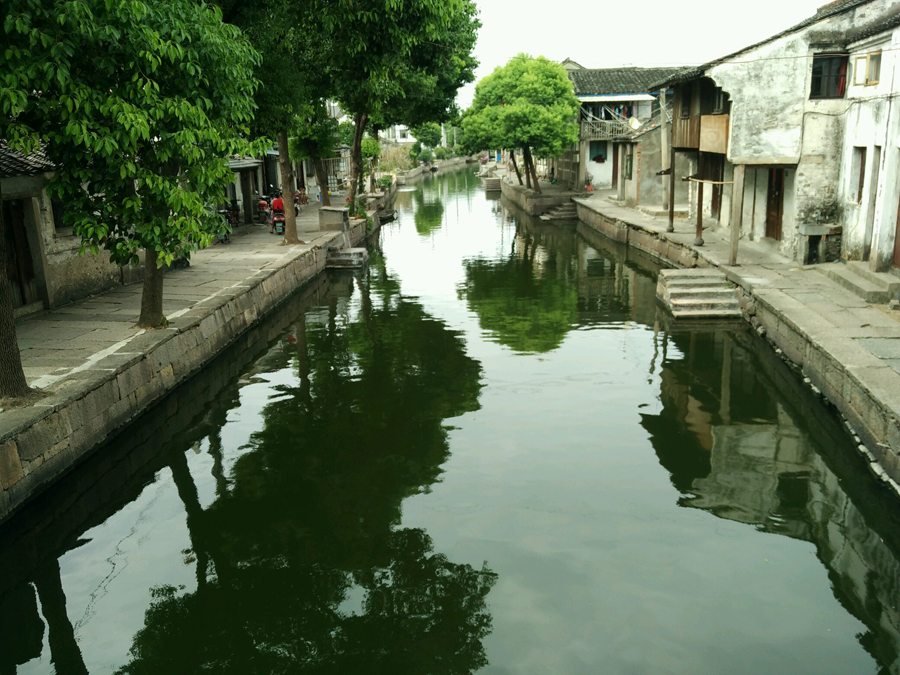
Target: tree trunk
x,y
12,377
527,172
373,164
152,294
287,189
529,165
512,158
356,156
322,180
65,655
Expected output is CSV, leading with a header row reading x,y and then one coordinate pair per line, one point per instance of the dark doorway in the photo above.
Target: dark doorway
x,y
775,204
20,267
712,168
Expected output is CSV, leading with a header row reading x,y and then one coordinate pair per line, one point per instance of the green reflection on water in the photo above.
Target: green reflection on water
x,y
308,521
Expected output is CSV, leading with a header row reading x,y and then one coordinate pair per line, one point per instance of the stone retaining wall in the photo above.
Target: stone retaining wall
x,y
43,442
531,203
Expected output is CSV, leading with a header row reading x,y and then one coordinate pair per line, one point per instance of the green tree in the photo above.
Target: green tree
x,y
429,134
346,129
370,49
291,79
141,107
315,137
530,104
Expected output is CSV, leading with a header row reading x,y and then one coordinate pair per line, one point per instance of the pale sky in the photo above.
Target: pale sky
x,y
610,33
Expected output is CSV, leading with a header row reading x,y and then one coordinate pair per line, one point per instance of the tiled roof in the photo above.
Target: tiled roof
x,y
885,23
14,163
824,12
611,81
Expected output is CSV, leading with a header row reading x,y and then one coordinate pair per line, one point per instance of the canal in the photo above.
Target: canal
x,y
487,453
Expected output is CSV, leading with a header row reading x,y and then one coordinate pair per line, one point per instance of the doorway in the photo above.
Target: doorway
x,y
775,204
712,168
870,208
20,267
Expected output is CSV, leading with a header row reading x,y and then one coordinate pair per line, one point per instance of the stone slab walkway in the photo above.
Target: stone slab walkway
x,y
57,345
848,348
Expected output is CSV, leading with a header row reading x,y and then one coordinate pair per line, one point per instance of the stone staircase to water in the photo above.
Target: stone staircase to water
x,y
698,294
875,287
491,183
567,211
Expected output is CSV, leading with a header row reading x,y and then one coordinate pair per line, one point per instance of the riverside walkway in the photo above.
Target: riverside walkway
x,y
99,371
847,348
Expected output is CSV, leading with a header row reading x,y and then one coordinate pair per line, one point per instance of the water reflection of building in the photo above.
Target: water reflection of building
x,y
743,440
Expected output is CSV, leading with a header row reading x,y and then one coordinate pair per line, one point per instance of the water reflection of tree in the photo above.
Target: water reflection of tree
x,y
311,573
429,215
527,298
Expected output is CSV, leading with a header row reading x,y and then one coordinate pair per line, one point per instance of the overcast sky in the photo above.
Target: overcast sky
x,y
610,33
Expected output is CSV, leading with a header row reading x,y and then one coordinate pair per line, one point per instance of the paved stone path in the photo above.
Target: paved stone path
x,y
58,345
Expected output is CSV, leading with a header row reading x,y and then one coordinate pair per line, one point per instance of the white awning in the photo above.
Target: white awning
x,y
616,98
243,164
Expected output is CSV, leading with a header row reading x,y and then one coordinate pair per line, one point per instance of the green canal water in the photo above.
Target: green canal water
x,y
487,453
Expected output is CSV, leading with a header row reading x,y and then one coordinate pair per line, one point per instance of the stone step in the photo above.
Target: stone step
x,y
860,286
887,281
708,314
698,294
683,304
347,258
693,293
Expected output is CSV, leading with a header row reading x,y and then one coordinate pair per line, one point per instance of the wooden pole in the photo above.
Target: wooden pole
x,y
698,241
737,211
671,226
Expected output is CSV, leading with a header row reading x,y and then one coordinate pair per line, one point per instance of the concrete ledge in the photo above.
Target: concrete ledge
x,y
39,444
531,203
860,385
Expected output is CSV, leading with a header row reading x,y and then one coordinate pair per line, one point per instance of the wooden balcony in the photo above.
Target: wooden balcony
x,y
606,130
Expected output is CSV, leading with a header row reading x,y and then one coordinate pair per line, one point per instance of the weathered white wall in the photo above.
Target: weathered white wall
x,y
872,123
601,171
773,122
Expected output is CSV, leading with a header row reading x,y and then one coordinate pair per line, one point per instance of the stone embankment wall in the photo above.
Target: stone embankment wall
x,y
531,203
830,365
43,443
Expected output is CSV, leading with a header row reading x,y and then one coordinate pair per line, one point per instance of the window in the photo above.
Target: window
x,y
719,100
686,100
858,174
628,164
598,151
829,76
404,134
867,69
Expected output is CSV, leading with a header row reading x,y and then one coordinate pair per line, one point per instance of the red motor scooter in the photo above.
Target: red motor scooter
x,y
278,222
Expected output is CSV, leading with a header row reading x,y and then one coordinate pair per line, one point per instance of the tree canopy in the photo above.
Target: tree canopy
x,y
139,105
530,104
394,62
429,134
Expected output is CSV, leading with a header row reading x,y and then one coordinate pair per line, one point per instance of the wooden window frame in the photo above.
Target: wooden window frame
x,y
833,79
686,94
862,69
720,102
